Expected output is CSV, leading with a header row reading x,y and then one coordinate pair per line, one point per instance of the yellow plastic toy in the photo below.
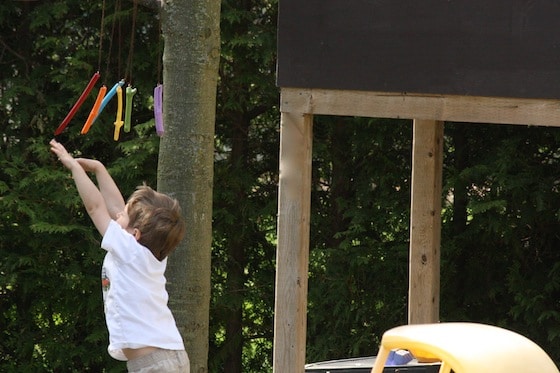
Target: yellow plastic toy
x,y
466,348
118,119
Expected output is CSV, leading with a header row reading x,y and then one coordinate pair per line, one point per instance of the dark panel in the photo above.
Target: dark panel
x,y
503,48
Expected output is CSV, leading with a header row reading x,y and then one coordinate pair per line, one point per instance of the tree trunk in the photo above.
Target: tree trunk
x,y
460,203
341,188
237,258
185,170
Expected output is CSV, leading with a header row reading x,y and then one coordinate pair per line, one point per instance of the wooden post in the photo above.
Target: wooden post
x,y
292,255
425,222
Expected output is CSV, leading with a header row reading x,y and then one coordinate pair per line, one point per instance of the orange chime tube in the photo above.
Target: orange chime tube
x,y
94,110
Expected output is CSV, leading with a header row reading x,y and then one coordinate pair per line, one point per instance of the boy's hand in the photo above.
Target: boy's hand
x,y
65,158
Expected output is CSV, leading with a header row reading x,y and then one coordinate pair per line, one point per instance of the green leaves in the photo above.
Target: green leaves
x,y
51,313
499,247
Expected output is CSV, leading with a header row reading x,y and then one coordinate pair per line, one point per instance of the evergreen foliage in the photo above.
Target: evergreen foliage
x,y
500,257
51,312
245,194
500,233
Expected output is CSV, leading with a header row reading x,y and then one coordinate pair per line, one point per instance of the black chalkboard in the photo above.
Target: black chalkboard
x,y
497,48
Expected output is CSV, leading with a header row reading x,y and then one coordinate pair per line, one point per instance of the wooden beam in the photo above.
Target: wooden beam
x,y
418,106
425,222
292,256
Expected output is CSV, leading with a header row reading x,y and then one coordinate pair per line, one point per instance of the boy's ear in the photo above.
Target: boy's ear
x,y
136,233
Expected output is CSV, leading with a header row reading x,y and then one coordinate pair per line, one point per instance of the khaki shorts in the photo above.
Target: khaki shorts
x,y
168,361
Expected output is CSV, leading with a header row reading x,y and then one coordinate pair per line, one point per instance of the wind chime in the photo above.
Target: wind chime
x,y
104,96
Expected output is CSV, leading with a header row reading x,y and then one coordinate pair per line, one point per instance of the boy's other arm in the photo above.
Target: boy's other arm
x,y
114,200
92,198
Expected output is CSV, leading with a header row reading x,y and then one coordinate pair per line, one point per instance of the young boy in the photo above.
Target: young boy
x,y
138,236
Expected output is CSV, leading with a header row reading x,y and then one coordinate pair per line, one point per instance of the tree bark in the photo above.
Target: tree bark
x,y
191,33
341,188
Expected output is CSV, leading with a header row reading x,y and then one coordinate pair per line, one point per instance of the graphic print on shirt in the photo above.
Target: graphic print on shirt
x,y
105,282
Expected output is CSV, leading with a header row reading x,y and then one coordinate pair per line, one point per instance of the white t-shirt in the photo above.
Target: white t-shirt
x,y
134,295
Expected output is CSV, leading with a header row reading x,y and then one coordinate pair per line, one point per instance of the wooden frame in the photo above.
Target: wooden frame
x,y
290,316
472,109
298,105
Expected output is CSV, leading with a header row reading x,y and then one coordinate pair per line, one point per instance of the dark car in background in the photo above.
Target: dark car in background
x,y
364,365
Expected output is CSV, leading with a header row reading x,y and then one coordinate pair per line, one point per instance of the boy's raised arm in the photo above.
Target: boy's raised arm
x,y
90,195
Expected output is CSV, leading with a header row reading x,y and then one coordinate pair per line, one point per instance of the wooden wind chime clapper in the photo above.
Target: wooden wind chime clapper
x,y
103,98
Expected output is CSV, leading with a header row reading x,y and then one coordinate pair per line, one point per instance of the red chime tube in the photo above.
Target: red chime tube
x,y
77,105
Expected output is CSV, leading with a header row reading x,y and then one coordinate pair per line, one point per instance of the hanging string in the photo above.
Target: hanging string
x,y
120,38
111,93
160,52
131,48
113,25
91,83
101,36
101,95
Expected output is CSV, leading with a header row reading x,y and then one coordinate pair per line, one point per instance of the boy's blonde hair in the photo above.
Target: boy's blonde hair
x,y
158,218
